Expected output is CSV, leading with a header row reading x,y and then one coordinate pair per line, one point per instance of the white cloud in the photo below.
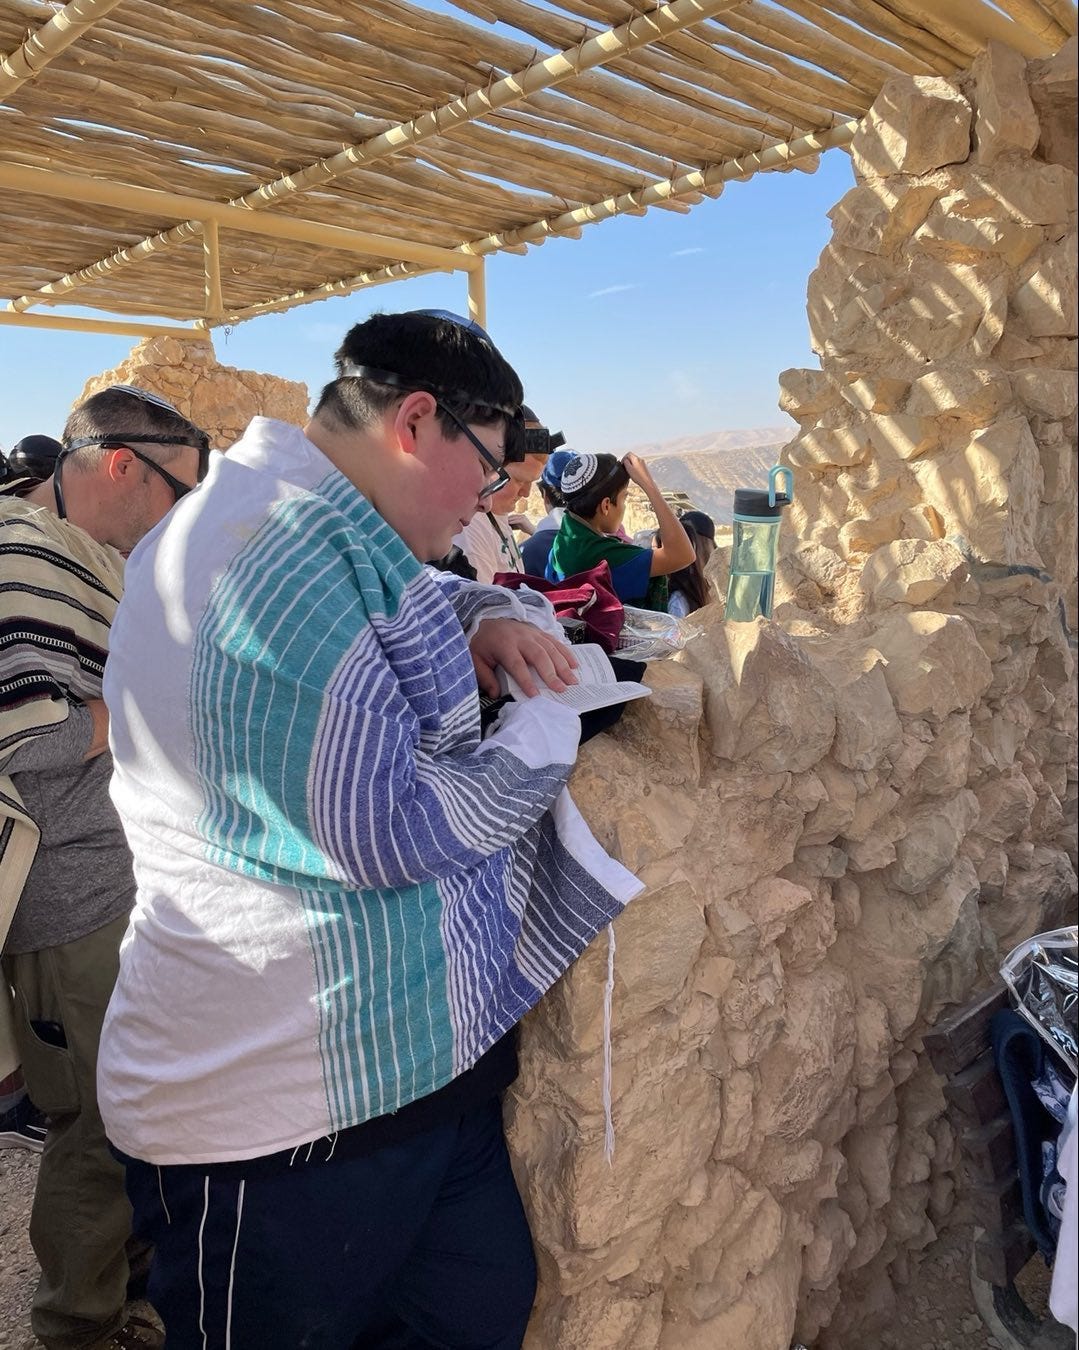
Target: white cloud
x,y
615,290
687,252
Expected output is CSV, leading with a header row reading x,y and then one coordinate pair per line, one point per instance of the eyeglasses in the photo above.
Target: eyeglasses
x,y
515,430
501,477
199,442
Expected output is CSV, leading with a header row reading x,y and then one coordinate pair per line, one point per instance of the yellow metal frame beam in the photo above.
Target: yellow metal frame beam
x,y
211,255
108,326
599,50
477,296
709,181
52,38
151,201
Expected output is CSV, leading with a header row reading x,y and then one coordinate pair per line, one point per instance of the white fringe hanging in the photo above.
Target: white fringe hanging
x,y
608,996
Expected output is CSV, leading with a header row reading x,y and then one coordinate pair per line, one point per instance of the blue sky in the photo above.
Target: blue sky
x,y
645,329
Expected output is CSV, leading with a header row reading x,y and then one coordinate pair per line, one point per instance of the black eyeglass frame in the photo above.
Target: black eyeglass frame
x,y
201,443
514,419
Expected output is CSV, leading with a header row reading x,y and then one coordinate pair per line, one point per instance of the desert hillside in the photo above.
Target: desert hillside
x,y
709,468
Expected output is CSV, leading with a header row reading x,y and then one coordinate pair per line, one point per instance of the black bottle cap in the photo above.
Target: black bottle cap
x,y
754,502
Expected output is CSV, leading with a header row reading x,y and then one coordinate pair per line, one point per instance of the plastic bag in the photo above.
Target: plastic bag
x,y
649,636
1043,976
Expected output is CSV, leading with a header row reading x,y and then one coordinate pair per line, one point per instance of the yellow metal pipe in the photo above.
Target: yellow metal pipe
x,y
151,201
477,296
384,275
595,51
211,252
49,41
112,326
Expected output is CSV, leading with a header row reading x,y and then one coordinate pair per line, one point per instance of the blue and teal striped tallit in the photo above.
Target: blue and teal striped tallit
x,y
344,897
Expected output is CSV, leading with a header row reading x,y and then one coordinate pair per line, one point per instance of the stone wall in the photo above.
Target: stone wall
x,y
844,817
220,399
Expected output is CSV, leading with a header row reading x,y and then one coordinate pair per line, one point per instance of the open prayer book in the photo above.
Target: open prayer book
x,y
596,685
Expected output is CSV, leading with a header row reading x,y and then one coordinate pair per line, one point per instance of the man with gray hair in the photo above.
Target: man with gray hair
x,y
66,884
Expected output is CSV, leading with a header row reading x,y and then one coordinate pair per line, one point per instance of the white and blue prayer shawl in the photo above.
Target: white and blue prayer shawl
x,y
340,812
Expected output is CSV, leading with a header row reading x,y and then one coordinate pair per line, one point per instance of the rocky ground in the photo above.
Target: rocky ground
x,y
935,1312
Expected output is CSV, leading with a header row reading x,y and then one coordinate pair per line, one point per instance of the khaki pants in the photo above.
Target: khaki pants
x,y
81,1218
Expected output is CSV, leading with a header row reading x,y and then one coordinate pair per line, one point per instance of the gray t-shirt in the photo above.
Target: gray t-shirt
x,y
81,877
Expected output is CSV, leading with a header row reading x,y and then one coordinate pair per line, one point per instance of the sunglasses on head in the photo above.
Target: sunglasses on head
x,y
515,435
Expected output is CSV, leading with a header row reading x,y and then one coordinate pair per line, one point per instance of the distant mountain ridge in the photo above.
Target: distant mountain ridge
x,y
709,468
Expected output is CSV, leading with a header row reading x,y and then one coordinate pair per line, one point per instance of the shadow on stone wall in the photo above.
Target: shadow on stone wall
x,y
847,816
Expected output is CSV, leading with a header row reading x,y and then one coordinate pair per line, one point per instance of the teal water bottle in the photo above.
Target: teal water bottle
x,y
757,516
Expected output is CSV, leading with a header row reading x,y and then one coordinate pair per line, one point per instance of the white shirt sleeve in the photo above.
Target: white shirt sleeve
x,y
480,544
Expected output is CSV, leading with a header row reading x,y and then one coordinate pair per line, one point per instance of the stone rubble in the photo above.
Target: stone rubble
x,y
845,817
219,399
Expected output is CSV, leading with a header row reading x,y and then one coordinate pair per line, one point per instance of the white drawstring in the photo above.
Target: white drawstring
x,y
608,997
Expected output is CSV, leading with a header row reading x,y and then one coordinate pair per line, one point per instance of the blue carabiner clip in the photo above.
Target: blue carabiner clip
x,y
772,476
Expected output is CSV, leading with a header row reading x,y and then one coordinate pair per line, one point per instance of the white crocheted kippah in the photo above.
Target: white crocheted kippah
x,y
578,473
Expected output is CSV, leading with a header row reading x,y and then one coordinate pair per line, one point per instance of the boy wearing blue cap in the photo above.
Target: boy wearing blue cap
x,y
536,551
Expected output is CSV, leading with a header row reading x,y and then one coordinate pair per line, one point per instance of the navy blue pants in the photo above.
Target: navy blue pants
x,y
420,1244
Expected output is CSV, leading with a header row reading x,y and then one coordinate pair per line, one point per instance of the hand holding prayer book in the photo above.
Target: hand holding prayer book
x,y
597,685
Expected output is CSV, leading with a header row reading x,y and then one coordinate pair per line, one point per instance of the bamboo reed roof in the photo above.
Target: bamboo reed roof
x,y
142,144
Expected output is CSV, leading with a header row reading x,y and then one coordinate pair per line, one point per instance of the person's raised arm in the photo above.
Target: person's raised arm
x,y
677,549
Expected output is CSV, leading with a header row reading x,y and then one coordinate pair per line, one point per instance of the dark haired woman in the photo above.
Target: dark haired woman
x,y
594,489
689,590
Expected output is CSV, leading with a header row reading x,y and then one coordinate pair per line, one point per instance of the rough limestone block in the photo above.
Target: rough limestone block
x,y
866,533
767,708
774,904
825,568
989,492
931,312
762,1318
601,1201
916,124
911,571
671,716
973,394
878,217
970,239
807,1067
1005,804
658,936
1039,893
824,447
922,522
1046,300
934,663
1053,92
932,841
806,393
902,435
1051,393
833,1240
1005,120
867,728
946,767
1022,190
874,393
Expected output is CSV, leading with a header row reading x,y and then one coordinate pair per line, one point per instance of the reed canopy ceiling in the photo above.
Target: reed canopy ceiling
x,y
215,160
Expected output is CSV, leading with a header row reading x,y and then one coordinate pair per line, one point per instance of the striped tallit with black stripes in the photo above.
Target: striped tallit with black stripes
x,y
344,896
58,594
